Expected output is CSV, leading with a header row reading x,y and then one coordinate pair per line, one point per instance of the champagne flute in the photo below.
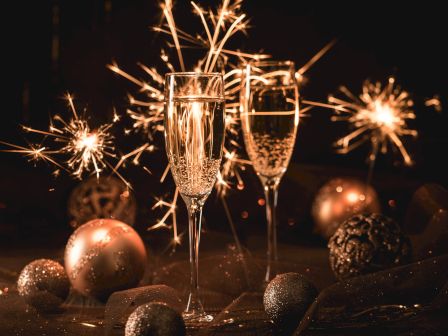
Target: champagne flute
x,y
194,135
269,117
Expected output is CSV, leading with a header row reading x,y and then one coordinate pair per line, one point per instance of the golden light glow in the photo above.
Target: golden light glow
x,y
379,116
219,25
99,235
87,142
434,102
80,149
352,197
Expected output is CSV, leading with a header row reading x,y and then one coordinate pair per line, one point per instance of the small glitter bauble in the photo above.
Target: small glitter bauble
x,y
43,284
104,256
287,298
367,243
338,200
102,197
155,319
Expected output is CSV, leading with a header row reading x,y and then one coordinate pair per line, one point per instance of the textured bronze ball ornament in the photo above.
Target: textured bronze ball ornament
x,y
155,319
101,197
338,200
43,284
367,243
287,298
104,256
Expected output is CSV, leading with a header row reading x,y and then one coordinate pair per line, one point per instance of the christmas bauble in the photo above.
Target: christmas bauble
x,y
287,298
367,243
43,284
155,319
103,256
339,199
102,197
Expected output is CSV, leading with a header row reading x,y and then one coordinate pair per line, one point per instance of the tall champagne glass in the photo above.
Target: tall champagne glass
x,y
194,135
269,116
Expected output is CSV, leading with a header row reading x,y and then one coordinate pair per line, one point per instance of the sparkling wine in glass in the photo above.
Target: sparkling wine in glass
x,y
194,135
269,116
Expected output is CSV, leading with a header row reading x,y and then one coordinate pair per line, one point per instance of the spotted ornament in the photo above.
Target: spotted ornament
x,y
43,284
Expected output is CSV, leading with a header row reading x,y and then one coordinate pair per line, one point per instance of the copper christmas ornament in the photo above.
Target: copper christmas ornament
x,y
104,256
101,197
338,200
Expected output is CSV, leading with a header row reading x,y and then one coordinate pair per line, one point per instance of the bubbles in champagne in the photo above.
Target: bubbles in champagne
x,y
197,178
194,133
270,155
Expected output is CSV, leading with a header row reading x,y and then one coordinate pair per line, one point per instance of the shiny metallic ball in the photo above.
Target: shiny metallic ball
x,y
338,200
104,256
101,197
43,284
287,298
367,243
155,319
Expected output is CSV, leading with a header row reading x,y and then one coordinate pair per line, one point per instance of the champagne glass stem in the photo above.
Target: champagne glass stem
x,y
194,306
271,194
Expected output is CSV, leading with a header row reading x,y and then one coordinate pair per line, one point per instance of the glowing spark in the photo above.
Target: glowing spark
x,y
435,103
219,25
230,170
34,153
84,149
90,325
167,11
379,115
171,212
300,73
147,113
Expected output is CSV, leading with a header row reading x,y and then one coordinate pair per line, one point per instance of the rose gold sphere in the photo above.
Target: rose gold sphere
x,y
338,200
104,256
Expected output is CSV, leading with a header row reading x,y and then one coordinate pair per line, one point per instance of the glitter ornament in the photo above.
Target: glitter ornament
x,y
103,256
155,319
102,197
43,284
340,199
287,298
367,243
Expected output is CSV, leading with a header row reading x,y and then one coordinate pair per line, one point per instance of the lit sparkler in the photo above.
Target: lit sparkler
x,y
147,114
34,153
379,116
219,26
85,149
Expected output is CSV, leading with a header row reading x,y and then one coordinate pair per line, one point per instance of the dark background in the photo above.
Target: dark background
x,y
50,47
